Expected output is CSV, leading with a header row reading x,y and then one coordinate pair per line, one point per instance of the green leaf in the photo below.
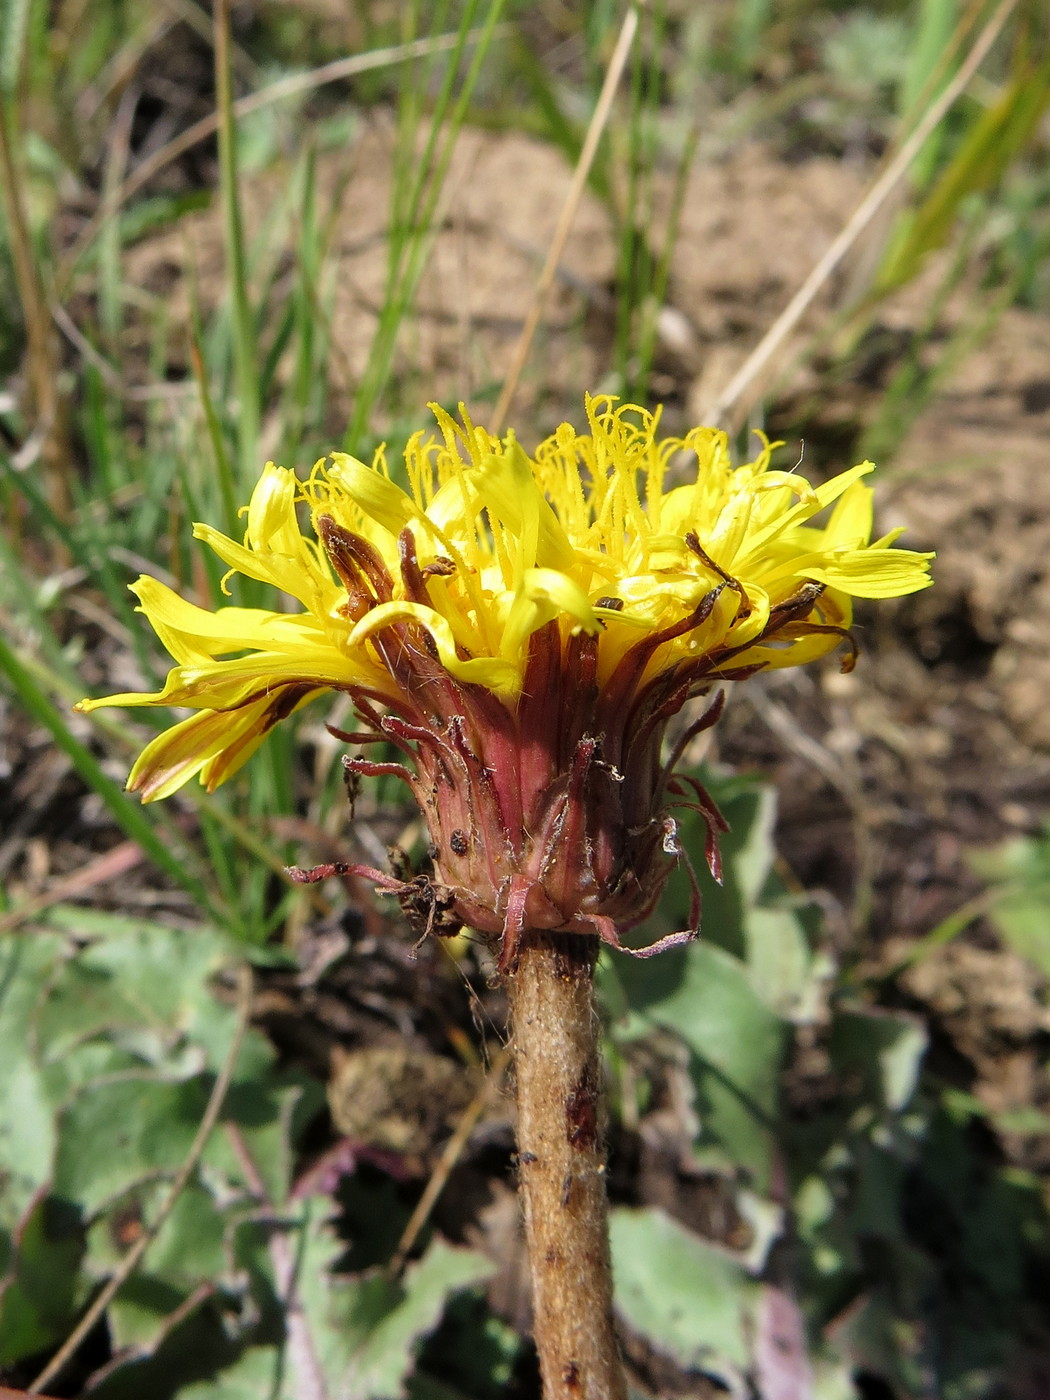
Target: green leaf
x,y
137,1315
189,1247
269,1114
147,215
27,1137
1022,867
474,1352
746,857
40,1294
885,1047
747,914
143,991
688,1299
780,962
27,1130
703,994
257,1375
924,74
14,27
117,1134
133,981
382,1363
752,815
362,1332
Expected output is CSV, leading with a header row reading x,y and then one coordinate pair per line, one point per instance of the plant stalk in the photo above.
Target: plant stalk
x,y
561,1155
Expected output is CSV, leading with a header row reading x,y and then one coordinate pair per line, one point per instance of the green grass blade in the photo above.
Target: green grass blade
x,y
223,468
409,253
243,322
14,31
929,41
126,813
750,22
554,124
994,141
85,542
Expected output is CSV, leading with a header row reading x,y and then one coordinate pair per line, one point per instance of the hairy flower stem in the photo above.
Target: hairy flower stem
x,y
562,1165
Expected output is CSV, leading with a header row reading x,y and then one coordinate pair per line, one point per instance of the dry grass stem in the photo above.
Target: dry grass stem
x,y
292,86
113,865
449,1157
730,408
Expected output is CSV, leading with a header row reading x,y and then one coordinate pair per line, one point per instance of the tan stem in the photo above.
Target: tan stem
x,y
562,1166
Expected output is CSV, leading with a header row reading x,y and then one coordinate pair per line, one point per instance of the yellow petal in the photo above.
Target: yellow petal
x,y
851,520
876,573
497,674
272,526
212,739
507,487
811,505
228,685
545,595
376,494
505,545
293,574
193,635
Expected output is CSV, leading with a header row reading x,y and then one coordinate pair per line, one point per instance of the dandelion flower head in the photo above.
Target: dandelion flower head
x,y
510,608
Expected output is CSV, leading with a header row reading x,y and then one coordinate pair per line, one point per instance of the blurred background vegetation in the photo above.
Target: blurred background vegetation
x,y
271,229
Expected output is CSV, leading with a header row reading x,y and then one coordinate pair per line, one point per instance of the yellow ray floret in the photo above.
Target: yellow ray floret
x,y
615,533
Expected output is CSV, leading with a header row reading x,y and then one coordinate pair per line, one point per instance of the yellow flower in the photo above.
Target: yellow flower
x,y
504,610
